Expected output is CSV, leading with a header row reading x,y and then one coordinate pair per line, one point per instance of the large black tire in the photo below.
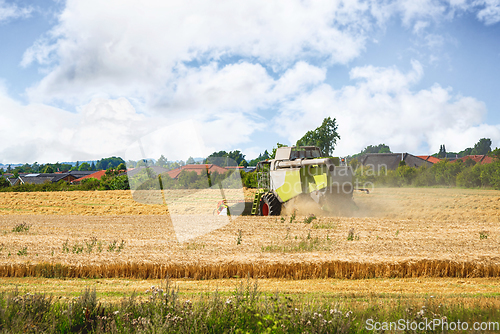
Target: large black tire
x,y
269,205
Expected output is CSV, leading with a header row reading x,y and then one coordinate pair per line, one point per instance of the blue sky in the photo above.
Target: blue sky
x,y
85,80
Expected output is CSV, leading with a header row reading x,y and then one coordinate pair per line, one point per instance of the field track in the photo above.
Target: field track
x,y
397,233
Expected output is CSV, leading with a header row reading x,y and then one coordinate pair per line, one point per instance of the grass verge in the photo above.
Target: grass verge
x,y
246,309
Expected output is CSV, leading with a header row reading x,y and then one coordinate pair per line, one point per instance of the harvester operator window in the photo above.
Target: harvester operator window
x,y
305,153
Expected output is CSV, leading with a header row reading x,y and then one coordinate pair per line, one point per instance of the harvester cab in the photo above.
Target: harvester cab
x,y
301,173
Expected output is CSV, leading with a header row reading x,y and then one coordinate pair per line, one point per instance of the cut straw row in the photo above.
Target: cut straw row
x,y
334,269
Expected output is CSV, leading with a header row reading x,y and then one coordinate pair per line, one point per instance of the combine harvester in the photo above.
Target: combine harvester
x,y
300,176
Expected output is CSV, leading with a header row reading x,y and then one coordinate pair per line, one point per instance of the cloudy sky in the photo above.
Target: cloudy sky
x,y
88,79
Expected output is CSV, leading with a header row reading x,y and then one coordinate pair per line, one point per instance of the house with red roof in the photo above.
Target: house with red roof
x,y
429,158
478,159
96,175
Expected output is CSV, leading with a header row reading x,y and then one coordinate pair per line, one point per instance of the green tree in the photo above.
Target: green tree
x,y
261,157
84,167
142,163
237,156
121,167
3,182
325,137
483,146
162,162
190,161
406,173
48,169
465,152
223,158
111,162
442,152
380,148
92,167
495,154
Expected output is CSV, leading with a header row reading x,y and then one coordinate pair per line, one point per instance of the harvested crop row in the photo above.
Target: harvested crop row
x,y
336,269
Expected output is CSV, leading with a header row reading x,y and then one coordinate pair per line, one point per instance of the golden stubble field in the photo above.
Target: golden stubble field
x,y
394,232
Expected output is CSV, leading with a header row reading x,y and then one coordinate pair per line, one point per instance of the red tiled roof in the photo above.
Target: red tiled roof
x,y
429,158
96,175
198,169
482,159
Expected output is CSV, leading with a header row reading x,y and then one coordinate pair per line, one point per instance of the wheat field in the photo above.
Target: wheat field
x,y
393,232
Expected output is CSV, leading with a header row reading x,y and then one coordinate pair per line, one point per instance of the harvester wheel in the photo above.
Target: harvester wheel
x,y
269,205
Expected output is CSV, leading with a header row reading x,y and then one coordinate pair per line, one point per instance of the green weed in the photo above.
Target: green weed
x,y
483,235
23,251
21,227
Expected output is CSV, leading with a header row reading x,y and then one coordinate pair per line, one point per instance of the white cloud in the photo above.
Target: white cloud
x,y
11,11
382,108
388,80
420,26
129,70
33,132
118,49
415,10
111,48
489,12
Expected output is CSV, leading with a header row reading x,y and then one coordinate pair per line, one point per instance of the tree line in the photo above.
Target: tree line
x,y
102,164
466,174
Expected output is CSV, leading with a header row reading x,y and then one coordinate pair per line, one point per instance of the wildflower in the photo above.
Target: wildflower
x,y
348,314
116,312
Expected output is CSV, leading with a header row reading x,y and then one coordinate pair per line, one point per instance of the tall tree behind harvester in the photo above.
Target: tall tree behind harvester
x,y
325,137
